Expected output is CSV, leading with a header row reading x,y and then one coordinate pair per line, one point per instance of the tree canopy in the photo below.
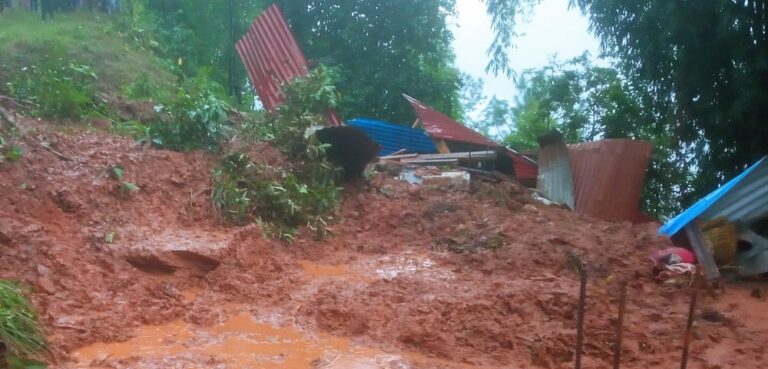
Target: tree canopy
x,y
381,49
699,67
587,102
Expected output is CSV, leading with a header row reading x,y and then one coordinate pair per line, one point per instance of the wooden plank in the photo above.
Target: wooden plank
x,y
442,147
398,157
700,248
473,155
431,161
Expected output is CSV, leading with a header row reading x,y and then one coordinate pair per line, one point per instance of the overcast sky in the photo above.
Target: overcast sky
x,y
553,29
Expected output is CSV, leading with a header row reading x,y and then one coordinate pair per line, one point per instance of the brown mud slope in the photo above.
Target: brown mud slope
x,y
414,277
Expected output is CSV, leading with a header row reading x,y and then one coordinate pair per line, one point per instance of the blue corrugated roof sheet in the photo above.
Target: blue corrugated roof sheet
x,y
744,198
393,137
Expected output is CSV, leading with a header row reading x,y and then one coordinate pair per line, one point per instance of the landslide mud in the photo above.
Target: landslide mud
x,y
413,277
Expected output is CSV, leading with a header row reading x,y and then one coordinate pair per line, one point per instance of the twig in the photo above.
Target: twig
x,y
59,155
15,101
689,327
70,327
582,307
8,117
620,326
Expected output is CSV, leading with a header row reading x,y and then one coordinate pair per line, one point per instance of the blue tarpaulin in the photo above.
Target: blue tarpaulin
x,y
393,137
744,198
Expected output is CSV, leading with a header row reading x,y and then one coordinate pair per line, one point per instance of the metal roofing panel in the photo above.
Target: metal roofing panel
x,y
555,177
744,198
271,56
525,168
608,177
443,127
393,137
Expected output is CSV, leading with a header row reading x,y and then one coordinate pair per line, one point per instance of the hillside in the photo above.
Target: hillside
x,y
82,39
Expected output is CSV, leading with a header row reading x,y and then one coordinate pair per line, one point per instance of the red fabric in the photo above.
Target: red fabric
x,y
685,255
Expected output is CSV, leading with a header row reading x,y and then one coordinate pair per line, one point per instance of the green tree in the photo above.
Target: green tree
x,y
381,49
700,66
471,95
202,35
588,102
707,61
495,120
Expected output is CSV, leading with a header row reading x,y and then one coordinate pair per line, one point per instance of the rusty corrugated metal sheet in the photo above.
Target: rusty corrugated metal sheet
x,y
272,58
555,177
443,127
608,177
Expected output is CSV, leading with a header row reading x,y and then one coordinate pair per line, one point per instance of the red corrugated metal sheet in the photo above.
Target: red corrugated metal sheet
x,y
443,127
608,177
272,58
525,168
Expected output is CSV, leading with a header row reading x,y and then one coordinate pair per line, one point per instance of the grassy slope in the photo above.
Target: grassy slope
x,y
85,38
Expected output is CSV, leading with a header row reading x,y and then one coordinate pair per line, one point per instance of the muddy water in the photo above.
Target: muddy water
x,y
240,342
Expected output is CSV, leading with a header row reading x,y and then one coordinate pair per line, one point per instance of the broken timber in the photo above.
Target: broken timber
x,y
462,156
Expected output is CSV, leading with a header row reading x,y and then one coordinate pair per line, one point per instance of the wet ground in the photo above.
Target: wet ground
x,y
412,276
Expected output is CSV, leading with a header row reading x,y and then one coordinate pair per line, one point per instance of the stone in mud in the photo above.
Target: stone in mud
x,y
46,285
171,262
65,201
4,238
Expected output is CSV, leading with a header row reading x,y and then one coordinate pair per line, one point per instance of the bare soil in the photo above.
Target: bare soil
x,y
413,277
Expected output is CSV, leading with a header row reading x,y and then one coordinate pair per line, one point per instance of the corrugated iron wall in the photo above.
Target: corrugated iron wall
x,y
747,201
555,177
608,177
392,137
271,56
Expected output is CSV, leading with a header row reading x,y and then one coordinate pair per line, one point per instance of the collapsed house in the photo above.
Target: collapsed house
x,y
603,179
729,227
272,57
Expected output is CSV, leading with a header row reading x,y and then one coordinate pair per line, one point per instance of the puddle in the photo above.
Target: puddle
x,y
240,342
386,268
407,264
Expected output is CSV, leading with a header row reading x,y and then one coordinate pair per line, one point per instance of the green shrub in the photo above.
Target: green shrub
x,y
9,152
196,118
19,330
278,199
59,88
301,193
141,88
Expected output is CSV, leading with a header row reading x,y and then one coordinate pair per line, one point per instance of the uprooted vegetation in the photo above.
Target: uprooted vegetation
x,y
56,77
300,191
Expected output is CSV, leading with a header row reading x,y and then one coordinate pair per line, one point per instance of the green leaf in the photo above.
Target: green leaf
x,y
118,171
129,187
